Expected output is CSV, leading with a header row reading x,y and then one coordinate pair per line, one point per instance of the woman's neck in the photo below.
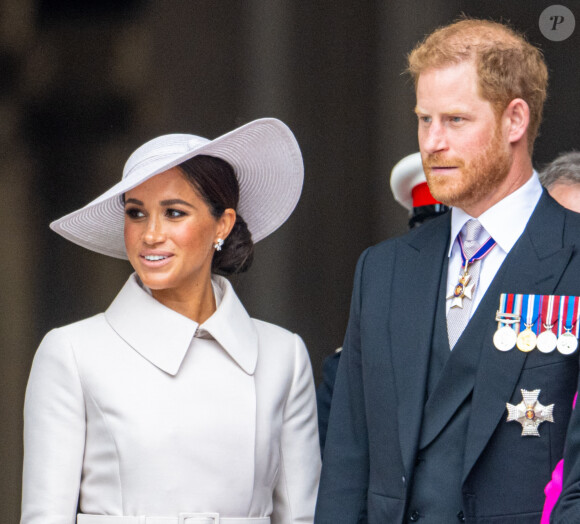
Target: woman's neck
x,y
196,302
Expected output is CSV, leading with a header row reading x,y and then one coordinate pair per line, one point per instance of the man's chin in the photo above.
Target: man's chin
x,y
443,191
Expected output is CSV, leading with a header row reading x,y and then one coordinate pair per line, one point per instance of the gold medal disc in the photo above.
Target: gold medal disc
x,y
526,340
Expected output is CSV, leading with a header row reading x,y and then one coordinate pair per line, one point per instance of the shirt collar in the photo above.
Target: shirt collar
x,y
506,220
163,336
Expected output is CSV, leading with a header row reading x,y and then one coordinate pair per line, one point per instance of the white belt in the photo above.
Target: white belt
x,y
182,518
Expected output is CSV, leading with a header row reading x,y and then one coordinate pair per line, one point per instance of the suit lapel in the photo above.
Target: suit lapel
x,y
534,265
420,263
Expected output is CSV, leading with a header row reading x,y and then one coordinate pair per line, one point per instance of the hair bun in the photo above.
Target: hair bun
x,y
237,253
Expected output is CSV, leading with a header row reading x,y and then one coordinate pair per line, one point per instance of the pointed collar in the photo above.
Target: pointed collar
x,y
163,336
506,220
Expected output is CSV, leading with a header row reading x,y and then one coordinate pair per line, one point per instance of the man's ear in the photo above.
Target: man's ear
x,y
516,118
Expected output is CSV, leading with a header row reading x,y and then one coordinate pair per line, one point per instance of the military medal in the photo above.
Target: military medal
x,y
505,337
465,289
567,343
547,339
569,311
530,413
526,340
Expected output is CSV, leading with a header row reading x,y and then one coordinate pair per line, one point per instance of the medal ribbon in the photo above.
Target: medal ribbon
x,y
576,315
547,309
484,250
566,315
553,318
502,310
528,307
518,310
534,314
510,303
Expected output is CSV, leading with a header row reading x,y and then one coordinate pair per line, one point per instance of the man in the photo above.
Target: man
x,y
562,179
410,189
434,417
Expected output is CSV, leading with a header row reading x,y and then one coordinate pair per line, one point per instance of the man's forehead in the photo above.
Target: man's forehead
x,y
448,81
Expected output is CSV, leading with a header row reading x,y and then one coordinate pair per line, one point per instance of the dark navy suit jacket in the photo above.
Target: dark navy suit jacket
x,y
378,417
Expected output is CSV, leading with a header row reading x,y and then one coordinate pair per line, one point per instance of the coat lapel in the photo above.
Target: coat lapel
x,y
534,265
157,333
420,263
163,336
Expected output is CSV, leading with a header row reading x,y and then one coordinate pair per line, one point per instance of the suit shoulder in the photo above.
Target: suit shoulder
x,y
572,220
438,226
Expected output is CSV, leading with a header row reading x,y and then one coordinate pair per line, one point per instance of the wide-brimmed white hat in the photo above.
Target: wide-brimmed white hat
x,y
264,155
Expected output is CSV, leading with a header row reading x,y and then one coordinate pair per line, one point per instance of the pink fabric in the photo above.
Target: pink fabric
x,y
554,487
552,491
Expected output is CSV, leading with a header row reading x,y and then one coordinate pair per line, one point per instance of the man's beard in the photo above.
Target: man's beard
x,y
479,178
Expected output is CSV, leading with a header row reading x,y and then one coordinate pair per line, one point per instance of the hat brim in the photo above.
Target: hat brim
x,y
267,162
407,173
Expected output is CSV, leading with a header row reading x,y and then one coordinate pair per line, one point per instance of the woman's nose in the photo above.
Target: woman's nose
x,y
154,233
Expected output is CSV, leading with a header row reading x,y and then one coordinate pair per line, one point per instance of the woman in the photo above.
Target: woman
x,y
173,406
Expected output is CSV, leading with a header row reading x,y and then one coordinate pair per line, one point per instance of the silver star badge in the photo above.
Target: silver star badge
x,y
530,413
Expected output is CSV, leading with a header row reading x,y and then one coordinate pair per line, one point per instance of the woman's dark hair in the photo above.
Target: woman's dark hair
x,y
215,181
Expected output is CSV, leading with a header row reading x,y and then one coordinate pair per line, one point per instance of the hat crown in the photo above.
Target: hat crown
x,y
158,150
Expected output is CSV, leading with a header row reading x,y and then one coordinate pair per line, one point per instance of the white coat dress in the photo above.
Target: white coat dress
x,y
140,411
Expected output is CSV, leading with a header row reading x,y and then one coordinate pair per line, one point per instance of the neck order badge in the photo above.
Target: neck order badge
x,y
465,289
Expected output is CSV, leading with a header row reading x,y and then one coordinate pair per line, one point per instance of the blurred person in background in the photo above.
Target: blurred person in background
x,y
561,178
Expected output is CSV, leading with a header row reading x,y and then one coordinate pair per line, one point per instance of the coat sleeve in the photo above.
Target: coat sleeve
x,y
54,435
295,491
345,473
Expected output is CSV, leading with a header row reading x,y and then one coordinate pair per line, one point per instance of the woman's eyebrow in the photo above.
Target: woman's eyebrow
x,y
174,201
170,202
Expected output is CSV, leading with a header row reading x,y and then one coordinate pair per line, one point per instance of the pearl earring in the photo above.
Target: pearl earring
x,y
218,245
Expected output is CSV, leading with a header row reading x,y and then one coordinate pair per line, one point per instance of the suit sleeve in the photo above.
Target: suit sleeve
x,y
54,435
345,472
295,492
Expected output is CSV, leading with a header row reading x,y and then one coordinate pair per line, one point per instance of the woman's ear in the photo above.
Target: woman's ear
x,y
226,223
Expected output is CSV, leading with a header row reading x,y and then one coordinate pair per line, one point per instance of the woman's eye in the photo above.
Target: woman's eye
x,y
175,213
133,212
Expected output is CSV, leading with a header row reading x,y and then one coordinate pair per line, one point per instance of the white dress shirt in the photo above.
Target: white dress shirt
x,y
504,222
